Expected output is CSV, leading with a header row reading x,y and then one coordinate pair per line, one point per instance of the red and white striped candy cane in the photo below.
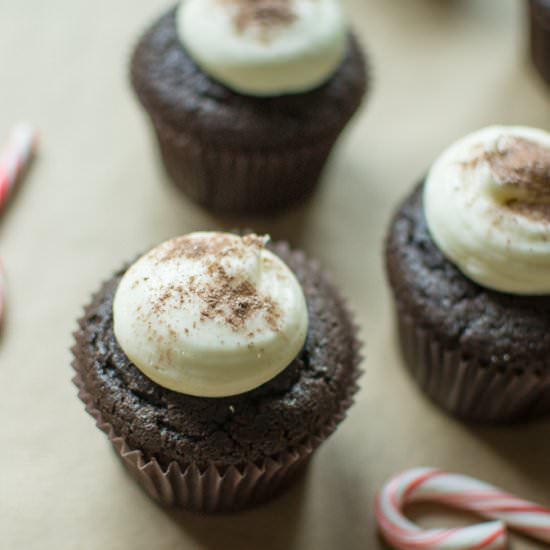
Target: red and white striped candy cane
x,y
15,157
466,493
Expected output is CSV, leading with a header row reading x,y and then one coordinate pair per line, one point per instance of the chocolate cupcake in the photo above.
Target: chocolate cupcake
x,y
468,259
217,366
539,11
248,98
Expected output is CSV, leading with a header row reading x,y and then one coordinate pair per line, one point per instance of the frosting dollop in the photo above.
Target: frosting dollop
x,y
265,47
210,314
487,206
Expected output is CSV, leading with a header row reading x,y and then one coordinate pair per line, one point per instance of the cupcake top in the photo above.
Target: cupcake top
x,y
265,47
210,314
487,206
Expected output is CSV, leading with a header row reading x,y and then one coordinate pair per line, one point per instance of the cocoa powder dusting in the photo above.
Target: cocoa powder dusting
x,y
523,164
197,249
522,167
265,14
173,292
235,301
535,211
225,296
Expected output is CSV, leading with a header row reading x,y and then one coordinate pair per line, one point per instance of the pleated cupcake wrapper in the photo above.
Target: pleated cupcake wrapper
x,y
215,487
540,39
212,487
464,387
237,181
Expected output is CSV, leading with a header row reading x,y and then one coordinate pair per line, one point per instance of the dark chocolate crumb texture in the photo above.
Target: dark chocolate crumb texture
x,y
280,414
182,98
493,328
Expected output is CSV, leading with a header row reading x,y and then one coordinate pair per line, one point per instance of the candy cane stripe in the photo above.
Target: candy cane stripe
x,y
4,187
467,493
419,482
15,158
496,537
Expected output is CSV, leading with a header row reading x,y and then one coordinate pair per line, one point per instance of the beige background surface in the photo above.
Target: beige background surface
x,y
97,196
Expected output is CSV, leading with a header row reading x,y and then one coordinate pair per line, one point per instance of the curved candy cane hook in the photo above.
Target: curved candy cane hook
x,y
466,493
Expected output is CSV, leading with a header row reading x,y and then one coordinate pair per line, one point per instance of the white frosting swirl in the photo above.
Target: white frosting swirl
x,y
210,314
265,47
487,206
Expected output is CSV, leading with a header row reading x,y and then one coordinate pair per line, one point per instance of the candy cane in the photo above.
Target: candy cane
x,y
466,493
15,158
2,295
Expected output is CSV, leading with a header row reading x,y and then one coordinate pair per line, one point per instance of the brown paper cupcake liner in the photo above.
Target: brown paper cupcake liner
x,y
540,37
239,176
215,487
465,387
212,488
239,181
